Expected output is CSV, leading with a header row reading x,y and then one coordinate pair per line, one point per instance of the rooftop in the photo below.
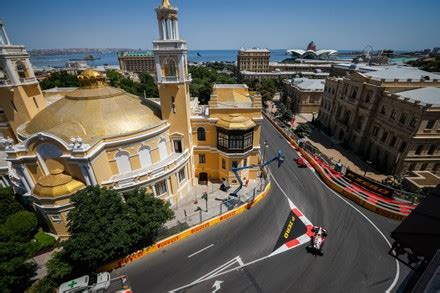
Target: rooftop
x,y
402,73
136,54
427,95
308,84
254,50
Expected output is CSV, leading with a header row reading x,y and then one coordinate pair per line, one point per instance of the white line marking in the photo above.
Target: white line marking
x,y
201,250
214,272
396,278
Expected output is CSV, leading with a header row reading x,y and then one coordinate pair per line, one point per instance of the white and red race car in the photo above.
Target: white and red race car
x,y
317,240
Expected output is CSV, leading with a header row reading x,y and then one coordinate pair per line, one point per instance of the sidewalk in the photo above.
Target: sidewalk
x,y
193,209
331,148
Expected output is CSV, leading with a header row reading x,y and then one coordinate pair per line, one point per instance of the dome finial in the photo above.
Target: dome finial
x,y
166,4
90,78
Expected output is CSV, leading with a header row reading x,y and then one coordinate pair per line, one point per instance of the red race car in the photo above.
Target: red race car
x,y
301,162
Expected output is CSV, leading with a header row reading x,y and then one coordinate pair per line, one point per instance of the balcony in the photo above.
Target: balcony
x,y
174,161
174,79
28,80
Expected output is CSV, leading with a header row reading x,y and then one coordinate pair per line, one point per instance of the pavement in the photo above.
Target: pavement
x,y
237,255
193,209
332,149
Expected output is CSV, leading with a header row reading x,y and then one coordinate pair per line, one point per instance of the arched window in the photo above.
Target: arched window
x,y
47,151
145,157
21,69
123,162
170,68
201,134
163,152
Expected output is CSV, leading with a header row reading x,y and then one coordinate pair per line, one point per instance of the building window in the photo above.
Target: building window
x,y
181,175
393,141
412,166
145,157
383,110
403,117
123,162
393,115
234,140
430,124
419,149
384,136
413,122
223,164
55,218
201,134
424,166
234,164
161,187
202,158
163,152
436,167
402,146
245,162
368,97
431,149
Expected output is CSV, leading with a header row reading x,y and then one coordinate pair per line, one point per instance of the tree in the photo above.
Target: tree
x,y
16,270
103,227
59,79
281,110
267,88
8,204
20,227
303,130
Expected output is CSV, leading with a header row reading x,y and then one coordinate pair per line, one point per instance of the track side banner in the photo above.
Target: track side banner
x,y
369,184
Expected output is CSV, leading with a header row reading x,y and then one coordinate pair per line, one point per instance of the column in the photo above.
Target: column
x,y
177,29
85,173
164,29
159,25
25,178
169,28
5,35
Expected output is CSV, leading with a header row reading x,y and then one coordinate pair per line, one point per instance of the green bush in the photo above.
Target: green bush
x,y
45,285
8,204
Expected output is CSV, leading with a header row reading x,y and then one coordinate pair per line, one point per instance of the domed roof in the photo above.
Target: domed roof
x,y
92,112
235,122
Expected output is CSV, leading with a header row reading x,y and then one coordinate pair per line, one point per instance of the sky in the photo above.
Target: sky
x,y
226,24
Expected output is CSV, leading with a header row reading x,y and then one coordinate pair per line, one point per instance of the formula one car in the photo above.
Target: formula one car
x,y
301,162
317,240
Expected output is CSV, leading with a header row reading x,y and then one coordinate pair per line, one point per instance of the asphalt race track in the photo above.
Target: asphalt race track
x,y
233,256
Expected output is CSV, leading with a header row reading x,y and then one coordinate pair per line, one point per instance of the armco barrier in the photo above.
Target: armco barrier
x,y
384,211
184,234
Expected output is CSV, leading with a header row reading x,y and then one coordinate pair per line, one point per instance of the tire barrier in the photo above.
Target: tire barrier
x,y
184,234
386,207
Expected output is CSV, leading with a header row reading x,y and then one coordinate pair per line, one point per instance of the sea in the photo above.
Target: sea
x,y
111,58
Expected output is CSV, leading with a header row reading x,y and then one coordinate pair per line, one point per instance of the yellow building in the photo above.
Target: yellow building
x,y
226,133
101,135
20,93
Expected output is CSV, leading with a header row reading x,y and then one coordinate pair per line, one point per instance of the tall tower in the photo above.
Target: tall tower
x,y
20,94
172,77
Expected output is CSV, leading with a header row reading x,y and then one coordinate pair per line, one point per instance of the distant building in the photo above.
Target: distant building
x,y
302,95
312,53
138,62
255,60
389,116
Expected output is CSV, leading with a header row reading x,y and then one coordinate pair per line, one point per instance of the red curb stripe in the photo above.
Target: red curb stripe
x,y
292,243
309,230
297,212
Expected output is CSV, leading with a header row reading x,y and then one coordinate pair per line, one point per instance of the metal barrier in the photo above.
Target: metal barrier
x,y
411,197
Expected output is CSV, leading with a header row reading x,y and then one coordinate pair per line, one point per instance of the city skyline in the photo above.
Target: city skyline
x,y
341,25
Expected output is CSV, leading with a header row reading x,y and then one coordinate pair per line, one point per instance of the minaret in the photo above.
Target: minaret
x,y
172,77
20,94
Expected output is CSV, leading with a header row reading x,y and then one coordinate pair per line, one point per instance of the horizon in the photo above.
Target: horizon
x,y
398,25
